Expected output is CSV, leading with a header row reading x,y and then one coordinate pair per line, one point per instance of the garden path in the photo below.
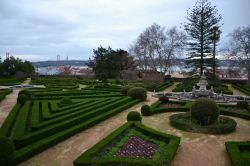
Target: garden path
x,y
235,91
199,149
6,105
8,102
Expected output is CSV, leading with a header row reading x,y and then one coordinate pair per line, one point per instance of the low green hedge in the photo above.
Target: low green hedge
x,y
242,88
183,121
165,154
34,148
67,123
239,153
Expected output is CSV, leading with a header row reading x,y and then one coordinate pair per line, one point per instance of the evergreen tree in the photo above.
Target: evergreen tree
x,y
201,20
108,63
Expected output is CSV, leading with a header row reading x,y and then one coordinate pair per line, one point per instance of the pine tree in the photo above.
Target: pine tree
x,y
201,20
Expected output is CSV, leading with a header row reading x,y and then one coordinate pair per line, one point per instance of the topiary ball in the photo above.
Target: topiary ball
x,y
65,101
145,110
164,99
6,152
134,116
138,93
204,111
25,92
125,89
242,104
22,99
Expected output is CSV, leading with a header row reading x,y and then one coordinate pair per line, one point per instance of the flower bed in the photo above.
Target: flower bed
x,y
137,147
130,145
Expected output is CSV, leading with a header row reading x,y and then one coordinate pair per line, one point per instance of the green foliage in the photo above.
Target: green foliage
x,y
10,66
6,146
200,20
184,122
6,152
239,152
39,124
243,88
242,104
186,85
4,92
145,110
164,99
26,92
138,93
22,99
167,147
125,89
204,111
108,63
65,101
134,116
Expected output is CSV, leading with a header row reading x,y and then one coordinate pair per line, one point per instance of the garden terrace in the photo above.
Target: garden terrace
x,y
121,148
42,121
157,87
243,88
239,153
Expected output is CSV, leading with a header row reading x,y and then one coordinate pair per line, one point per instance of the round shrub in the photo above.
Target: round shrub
x,y
204,111
138,93
134,116
145,110
242,104
6,152
125,89
22,99
164,99
139,85
25,92
65,101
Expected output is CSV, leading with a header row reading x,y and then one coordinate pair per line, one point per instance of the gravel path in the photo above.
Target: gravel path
x,y
235,91
6,105
199,149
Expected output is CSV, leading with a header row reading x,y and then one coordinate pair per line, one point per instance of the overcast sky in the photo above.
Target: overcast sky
x,y
40,29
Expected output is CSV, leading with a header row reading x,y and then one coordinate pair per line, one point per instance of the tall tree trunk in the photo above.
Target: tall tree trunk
x,y
214,64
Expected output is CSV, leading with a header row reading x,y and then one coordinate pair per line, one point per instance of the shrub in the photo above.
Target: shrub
x,y
6,152
145,110
164,99
242,104
25,92
134,116
22,99
125,89
65,101
138,93
204,111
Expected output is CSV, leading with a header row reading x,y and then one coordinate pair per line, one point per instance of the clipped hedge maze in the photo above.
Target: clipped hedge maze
x,y
132,144
239,153
42,122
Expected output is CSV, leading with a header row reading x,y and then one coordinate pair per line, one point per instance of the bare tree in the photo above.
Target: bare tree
x,y
239,48
155,48
175,43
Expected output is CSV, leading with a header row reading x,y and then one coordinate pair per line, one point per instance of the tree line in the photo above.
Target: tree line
x,y
12,66
156,47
